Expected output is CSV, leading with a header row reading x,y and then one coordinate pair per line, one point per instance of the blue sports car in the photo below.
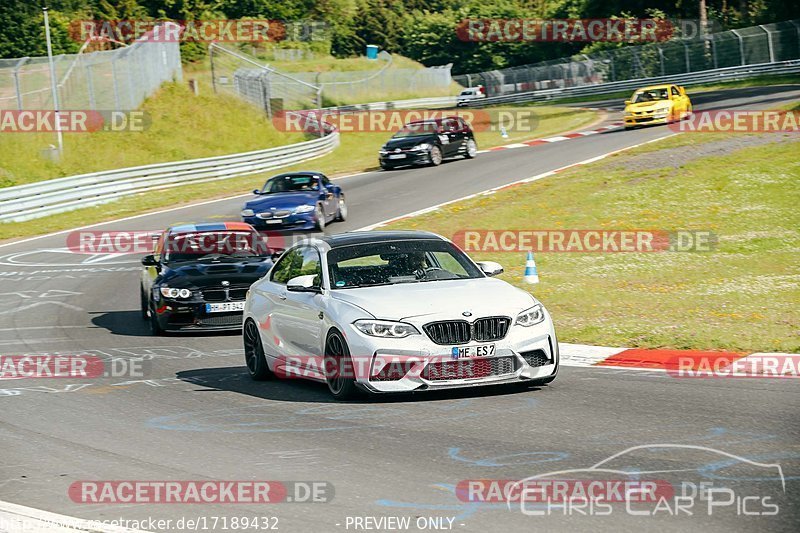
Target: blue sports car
x,y
296,201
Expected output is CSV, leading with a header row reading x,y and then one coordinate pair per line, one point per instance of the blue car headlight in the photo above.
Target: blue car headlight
x,y
304,209
248,213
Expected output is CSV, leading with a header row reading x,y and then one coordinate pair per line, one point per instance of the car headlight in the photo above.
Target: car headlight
x,y
385,328
531,317
661,111
169,292
304,208
248,213
423,146
383,151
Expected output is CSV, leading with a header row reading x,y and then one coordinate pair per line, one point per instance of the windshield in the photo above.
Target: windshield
x,y
214,246
650,95
416,129
291,184
392,262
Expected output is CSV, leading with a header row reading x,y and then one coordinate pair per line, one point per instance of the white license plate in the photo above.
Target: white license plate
x,y
397,156
483,350
273,221
225,307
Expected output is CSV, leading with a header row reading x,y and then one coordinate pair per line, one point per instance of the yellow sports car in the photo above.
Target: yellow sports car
x,y
659,104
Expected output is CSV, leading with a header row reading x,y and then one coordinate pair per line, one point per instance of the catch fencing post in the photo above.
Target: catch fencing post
x,y
17,86
741,46
769,44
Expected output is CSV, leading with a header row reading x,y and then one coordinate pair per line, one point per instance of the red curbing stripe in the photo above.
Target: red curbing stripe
x,y
572,135
534,142
496,148
671,359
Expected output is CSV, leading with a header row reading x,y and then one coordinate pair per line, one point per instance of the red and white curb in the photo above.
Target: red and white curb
x,y
699,363
558,138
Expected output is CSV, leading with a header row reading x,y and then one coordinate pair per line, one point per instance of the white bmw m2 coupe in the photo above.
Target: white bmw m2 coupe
x,y
394,312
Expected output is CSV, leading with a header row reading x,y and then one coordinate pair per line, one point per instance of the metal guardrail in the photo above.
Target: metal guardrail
x,y
694,78
25,202
34,200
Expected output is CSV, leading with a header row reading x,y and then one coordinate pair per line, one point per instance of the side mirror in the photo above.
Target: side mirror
x,y
490,268
256,191
149,261
306,283
627,102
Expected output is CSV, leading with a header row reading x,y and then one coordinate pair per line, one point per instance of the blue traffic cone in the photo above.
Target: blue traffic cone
x,y
531,274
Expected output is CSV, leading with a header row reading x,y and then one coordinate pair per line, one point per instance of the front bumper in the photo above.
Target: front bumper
x,y
409,158
415,363
303,221
192,316
644,120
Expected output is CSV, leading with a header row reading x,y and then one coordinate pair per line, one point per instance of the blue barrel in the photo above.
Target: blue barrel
x,y
372,51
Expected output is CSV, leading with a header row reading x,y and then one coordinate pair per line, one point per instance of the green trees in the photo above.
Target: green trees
x,y
421,29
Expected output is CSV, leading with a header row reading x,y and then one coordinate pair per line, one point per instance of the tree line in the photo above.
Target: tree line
x,y
424,30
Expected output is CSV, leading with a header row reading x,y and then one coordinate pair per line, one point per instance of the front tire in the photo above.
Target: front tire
x,y
472,149
341,212
338,366
155,326
254,356
319,215
436,156
143,305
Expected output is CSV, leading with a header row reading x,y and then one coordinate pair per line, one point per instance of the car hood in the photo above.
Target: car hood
x,y
282,200
439,300
648,106
204,274
408,142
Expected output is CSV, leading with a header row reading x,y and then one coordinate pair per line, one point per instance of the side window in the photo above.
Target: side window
x,y
159,246
311,264
449,126
325,181
284,270
462,125
675,91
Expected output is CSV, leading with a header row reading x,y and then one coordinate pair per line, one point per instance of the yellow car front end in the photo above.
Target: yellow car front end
x,y
659,104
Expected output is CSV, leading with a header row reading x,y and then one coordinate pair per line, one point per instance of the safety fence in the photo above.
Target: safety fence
x,y
110,79
757,45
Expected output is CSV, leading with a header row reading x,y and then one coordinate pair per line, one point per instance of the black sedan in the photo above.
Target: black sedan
x,y
199,274
428,142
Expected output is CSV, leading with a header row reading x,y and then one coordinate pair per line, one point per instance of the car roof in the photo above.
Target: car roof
x,y
210,226
436,120
310,173
662,86
365,237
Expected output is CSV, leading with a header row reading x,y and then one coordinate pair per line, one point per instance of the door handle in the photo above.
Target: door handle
x,y
282,296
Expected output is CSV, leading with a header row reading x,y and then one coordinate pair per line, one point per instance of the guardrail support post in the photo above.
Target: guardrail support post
x,y
769,44
17,87
741,46
797,28
661,58
213,73
686,55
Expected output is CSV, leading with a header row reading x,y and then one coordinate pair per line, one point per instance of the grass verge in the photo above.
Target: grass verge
x,y
742,296
358,152
181,126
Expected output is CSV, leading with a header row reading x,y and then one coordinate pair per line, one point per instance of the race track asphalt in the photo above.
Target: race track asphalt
x,y
198,416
